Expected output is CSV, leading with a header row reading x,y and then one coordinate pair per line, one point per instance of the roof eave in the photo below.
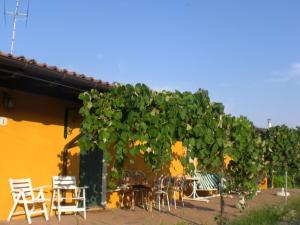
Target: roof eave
x,y
44,72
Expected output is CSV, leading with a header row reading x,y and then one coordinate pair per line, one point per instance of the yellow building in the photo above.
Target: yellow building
x,y
39,126
38,118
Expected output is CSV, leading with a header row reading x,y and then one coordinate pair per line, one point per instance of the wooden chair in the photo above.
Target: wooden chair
x,y
67,196
23,194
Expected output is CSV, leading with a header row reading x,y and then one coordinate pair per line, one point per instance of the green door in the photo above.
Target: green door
x,y
91,175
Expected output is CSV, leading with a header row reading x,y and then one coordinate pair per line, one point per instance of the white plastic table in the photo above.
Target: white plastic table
x,y
194,195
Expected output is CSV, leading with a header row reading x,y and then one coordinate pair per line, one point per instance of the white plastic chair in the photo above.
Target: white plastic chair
x,y
177,186
23,194
62,201
161,189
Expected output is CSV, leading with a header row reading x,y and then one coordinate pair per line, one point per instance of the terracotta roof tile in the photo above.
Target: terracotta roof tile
x,y
64,72
31,61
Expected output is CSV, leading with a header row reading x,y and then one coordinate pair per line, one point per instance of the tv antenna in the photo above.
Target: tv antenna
x,y
17,15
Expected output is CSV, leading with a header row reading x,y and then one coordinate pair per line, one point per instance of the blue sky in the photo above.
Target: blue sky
x,y
245,53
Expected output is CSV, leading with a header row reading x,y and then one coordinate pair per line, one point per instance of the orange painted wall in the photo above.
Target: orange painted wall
x,y
175,168
32,142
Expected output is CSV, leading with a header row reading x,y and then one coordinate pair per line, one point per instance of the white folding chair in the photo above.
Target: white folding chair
x,y
23,194
67,196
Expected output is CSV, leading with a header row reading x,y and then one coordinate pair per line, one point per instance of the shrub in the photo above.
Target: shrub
x,y
271,215
279,181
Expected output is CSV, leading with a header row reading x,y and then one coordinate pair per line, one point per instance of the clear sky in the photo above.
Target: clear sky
x,y
245,53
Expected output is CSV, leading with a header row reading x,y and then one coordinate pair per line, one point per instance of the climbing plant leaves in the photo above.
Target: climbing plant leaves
x,y
130,120
133,119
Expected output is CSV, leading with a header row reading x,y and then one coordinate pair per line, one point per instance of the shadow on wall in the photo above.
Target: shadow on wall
x,y
169,169
33,108
89,167
90,171
68,167
172,168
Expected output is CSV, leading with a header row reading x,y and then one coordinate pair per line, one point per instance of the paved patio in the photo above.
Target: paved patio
x,y
193,213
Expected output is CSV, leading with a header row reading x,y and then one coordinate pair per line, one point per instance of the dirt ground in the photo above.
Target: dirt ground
x,y
194,212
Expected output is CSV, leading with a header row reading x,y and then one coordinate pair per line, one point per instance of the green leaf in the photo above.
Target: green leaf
x,y
189,127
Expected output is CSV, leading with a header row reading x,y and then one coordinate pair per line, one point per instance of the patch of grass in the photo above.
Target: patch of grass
x,y
272,215
293,180
279,181
265,216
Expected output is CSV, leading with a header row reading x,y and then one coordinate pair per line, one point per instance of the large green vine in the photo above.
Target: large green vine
x,y
117,120
130,120
283,150
247,149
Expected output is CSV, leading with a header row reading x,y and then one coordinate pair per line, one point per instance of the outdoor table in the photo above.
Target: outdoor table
x,y
194,195
145,188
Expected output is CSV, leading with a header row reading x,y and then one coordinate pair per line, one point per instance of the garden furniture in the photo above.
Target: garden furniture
x,y
67,196
201,182
139,186
161,190
207,181
177,186
23,194
126,185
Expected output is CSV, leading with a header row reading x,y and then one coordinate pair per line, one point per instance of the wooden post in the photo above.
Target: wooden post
x,y
222,180
221,190
221,200
286,182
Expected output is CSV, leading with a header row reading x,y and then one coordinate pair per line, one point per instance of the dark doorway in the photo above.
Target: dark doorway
x,y
91,175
